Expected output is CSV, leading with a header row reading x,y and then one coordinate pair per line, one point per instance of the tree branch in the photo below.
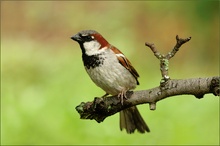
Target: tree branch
x,y
101,108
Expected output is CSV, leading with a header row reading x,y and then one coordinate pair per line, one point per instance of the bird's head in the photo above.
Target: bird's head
x,y
90,41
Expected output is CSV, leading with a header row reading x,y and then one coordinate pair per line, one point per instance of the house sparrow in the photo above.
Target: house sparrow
x,y
110,70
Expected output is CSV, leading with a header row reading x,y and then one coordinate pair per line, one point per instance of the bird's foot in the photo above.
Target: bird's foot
x,y
106,94
122,95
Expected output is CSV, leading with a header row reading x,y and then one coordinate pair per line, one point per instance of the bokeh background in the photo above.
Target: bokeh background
x,y
43,78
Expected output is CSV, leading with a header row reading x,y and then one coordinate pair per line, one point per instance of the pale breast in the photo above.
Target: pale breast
x,y
110,75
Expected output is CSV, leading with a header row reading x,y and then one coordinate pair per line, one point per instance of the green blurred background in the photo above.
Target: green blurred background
x,y
43,78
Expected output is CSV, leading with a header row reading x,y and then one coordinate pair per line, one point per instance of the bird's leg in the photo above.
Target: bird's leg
x,y
122,95
106,94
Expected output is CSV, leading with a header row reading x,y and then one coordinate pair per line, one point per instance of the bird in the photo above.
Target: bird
x,y
110,70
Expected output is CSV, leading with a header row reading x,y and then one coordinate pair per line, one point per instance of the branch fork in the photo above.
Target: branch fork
x,y
164,59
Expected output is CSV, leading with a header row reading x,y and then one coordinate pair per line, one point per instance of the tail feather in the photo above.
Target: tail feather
x,y
130,119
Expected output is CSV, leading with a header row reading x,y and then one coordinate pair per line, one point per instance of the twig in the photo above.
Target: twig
x,y
164,59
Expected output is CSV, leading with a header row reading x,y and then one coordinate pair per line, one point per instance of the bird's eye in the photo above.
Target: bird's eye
x,y
87,37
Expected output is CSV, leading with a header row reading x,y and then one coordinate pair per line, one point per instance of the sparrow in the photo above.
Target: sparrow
x,y
110,70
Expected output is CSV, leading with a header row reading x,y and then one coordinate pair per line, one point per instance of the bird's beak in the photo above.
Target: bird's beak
x,y
76,38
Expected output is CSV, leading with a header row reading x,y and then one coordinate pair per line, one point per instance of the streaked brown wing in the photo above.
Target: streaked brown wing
x,y
125,62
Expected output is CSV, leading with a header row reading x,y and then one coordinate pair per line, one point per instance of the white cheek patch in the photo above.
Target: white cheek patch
x,y
91,47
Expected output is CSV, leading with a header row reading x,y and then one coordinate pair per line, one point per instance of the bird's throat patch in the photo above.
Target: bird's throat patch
x,y
92,61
